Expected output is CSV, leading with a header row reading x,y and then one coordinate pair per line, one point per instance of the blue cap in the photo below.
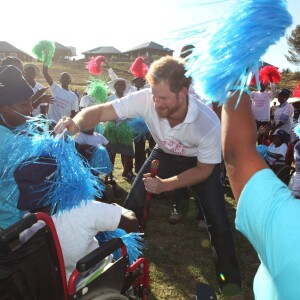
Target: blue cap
x,y
13,86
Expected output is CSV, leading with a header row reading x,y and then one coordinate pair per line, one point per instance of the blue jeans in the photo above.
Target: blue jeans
x,y
209,195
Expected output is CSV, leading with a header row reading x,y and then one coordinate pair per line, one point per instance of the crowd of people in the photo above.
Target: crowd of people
x,y
184,136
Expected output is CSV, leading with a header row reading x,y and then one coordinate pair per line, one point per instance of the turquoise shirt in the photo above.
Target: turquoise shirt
x,y
9,193
269,216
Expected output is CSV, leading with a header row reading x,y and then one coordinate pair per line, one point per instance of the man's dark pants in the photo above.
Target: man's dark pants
x,y
210,195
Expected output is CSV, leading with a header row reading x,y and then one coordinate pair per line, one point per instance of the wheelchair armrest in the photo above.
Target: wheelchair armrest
x,y
98,254
12,233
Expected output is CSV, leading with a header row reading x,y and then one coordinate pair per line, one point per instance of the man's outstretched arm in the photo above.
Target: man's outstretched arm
x,y
239,143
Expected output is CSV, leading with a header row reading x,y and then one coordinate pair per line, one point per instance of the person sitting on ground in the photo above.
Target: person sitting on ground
x,y
76,228
278,148
66,102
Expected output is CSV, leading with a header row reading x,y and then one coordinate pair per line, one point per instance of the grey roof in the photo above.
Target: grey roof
x,y
59,46
7,47
103,50
150,45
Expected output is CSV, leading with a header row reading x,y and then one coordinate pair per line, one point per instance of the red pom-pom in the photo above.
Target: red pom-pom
x,y
95,65
253,81
296,92
139,68
269,74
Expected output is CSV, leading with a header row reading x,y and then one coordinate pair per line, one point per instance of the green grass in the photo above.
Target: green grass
x,y
178,254
178,259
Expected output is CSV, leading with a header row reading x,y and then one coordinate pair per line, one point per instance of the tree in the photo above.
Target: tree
x,y
294,46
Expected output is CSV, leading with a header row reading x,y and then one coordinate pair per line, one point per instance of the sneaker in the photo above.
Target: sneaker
x,y
175,217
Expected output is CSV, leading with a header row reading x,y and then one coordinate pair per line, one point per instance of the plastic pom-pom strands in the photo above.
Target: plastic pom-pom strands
x,y
227,54
75,182
44,51
95,65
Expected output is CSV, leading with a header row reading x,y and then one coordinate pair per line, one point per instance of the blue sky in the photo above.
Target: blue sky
x,y
119,23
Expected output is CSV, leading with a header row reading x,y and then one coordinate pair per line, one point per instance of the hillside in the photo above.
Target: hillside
x,y
80,74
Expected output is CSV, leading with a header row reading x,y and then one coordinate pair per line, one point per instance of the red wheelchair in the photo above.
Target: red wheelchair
x,y
35,269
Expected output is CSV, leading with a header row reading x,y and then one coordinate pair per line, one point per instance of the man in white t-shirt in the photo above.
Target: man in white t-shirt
x,y
187,134
284,113
66,102
261,104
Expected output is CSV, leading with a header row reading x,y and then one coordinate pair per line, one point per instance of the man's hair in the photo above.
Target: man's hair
x,y
169,70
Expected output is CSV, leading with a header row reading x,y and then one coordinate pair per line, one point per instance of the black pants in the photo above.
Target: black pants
x,y
210,195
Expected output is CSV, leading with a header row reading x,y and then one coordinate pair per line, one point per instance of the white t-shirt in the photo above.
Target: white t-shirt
x,y
199,135
76,229
282,149
95,139
87,101
36,111
261,104
285,109
65,102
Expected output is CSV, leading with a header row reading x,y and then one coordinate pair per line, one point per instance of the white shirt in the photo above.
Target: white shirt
x,y
282,149
95,139
286,109
65,102
261,103
199,135
87,101
36,111
76,229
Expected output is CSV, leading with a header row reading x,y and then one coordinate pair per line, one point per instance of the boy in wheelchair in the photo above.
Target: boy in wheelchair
x,y
76,228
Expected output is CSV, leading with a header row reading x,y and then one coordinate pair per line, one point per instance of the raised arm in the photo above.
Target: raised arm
x,y
239,143
47,75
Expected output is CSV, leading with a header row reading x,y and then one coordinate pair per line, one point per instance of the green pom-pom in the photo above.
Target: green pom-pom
x,y
110,132
44,51
125,134
122,134
97,89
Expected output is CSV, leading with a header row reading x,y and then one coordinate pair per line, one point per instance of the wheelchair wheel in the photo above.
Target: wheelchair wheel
x,y
105,294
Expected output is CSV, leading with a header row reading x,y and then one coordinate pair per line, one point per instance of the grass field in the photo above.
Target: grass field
x,y
179,254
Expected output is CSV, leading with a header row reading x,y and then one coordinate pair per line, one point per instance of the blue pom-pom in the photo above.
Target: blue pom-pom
x,y
100,161
73,184
139,127
133,242
227,54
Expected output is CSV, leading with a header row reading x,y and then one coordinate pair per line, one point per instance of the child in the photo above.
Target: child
x,y
77,227
89,144
278,148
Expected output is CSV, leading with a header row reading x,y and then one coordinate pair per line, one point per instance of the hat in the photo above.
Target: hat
x,y
13,86
282,134
34,179
112,83
285,92
37,70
